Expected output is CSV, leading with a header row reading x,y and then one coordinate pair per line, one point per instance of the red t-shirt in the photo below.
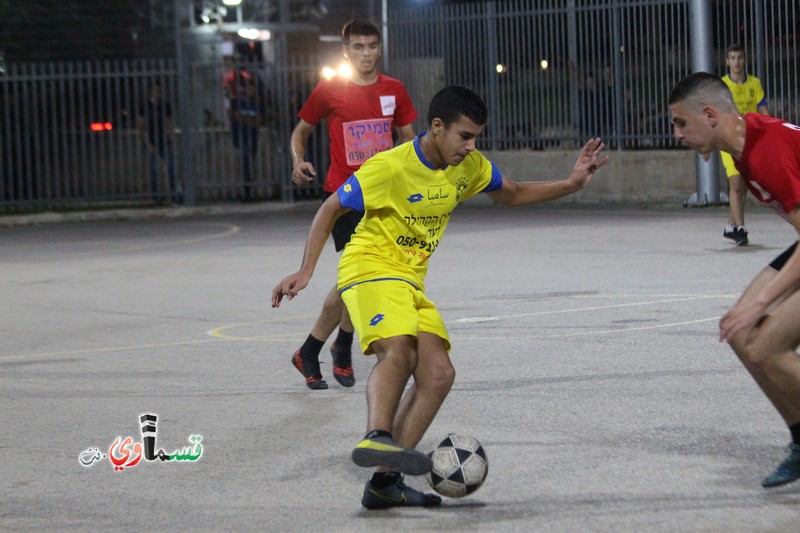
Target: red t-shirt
x,y
360,120
770,163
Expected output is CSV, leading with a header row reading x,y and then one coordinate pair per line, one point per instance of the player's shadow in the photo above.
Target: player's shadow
x,y
749,249
451,505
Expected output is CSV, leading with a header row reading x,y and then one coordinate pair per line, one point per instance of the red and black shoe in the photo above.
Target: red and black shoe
x,y
309,367
342,366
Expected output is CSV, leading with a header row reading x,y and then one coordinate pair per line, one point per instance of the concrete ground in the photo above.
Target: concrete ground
x,y
585,341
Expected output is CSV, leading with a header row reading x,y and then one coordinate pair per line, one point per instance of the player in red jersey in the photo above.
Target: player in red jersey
x,y
763,328
361,113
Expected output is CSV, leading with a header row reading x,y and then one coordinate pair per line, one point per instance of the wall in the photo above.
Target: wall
x,y
638,177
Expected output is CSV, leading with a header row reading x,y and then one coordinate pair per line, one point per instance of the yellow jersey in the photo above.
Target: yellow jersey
x,y
748,95
407,204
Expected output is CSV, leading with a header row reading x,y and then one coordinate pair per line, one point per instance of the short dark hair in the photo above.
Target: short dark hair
x,y
453,101
701,88
735,47
360,27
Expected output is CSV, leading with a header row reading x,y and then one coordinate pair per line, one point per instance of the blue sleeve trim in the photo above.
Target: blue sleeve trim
x,y
350,194
762,102
377,279
497,180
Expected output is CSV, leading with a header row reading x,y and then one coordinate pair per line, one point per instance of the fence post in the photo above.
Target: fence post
x,y
700,32
186,168
490,25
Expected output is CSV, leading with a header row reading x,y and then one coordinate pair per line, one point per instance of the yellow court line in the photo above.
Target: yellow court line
x,y
14,357
217,332
232,229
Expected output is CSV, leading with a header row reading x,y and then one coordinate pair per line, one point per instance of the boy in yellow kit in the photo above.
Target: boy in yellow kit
x,y
408,194
748,95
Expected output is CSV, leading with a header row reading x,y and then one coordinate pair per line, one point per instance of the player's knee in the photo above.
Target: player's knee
x,y
333,305
758,355
440,377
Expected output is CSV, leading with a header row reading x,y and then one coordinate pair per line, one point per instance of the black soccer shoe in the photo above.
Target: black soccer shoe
x,y
397,494
342,366
309,367
384,451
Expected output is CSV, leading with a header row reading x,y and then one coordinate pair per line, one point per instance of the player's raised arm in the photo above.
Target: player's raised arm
x,y
326,216
514,194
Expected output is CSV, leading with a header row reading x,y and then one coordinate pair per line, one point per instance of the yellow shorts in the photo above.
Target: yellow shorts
x,y
390,308
727,162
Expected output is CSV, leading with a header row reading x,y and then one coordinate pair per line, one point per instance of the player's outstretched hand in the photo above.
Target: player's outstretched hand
x,y
289,287
303,173
589,160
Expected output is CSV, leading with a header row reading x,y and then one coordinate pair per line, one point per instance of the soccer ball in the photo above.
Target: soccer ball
x,y
459,466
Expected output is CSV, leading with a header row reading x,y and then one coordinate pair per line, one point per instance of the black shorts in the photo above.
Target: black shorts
x,y
779,261
344,227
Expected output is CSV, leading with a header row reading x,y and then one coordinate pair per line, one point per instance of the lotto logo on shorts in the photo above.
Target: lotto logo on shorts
x,y
377,318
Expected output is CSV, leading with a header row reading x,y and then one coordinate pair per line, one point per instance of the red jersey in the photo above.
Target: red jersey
x,y
770,162
360,120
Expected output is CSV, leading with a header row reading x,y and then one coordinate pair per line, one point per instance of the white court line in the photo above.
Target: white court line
x,y
581,309
584,333
219,336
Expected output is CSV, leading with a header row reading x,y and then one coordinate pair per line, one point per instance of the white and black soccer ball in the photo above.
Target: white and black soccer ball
x,y
459,466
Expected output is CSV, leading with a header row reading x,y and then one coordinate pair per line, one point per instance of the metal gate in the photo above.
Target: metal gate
x,y
553,72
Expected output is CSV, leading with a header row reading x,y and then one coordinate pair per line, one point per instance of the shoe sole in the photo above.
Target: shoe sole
x,y
784,481
404,460
373,499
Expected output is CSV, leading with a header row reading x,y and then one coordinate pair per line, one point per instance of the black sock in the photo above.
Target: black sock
x,y
795,429
381,480
312,346
344,340
378,433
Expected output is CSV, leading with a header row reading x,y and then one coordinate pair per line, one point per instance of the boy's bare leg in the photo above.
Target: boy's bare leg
x,y
767,350
737,195
331,315
397,361
433,380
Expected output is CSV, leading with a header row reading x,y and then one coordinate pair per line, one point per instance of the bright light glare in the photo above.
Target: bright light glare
x,y
544,64
231,2
345,70
500,68
248,33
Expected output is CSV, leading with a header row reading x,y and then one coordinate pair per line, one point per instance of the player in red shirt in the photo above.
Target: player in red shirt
x,y
763,328
361,112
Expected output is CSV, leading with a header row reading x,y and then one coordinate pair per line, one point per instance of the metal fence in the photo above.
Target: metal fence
x,y
553,72
68,131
